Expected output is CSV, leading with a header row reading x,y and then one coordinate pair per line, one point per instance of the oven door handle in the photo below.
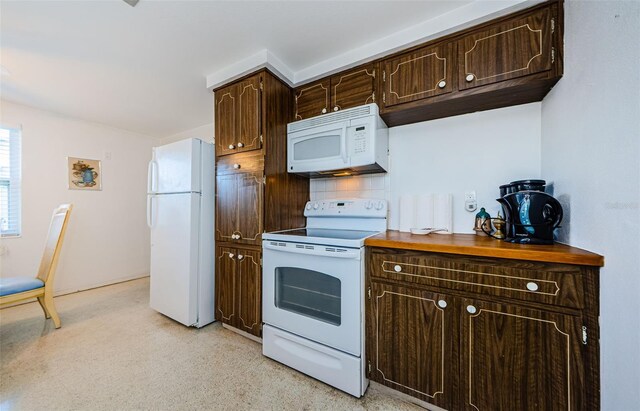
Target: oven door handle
x,y
320,250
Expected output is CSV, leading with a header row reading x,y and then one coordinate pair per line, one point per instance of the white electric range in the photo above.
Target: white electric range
x,y
313,291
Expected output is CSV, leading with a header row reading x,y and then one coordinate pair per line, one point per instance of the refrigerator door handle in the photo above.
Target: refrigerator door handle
x,y
149,179
152,179
149,211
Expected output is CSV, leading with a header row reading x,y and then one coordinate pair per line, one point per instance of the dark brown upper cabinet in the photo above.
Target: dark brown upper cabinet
x,y
353,88
312,99
238,117
226,103
348,89
510,49
510,60
421,74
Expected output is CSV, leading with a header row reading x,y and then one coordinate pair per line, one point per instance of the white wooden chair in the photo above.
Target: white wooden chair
x,y
15,289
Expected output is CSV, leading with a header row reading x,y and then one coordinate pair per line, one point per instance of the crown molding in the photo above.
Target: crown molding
x,y
455,20
263,58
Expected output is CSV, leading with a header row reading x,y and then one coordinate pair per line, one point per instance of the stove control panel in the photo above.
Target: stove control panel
x,y
355,207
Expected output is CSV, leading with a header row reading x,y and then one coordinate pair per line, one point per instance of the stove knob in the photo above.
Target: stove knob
x,y
368,205
379,205
308,206
316,206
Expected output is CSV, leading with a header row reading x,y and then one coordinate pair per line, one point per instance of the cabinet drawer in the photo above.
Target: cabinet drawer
x,y
537,282
240,163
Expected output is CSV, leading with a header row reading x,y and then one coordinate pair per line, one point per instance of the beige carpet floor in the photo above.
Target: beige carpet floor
x,y
114,353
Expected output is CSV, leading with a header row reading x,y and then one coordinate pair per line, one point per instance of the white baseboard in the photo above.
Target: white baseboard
x,y
66,291
85,288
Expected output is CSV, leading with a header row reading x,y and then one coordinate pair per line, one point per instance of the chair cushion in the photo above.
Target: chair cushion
x,y
14,285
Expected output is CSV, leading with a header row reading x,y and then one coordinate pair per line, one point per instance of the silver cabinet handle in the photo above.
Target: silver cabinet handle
x,y
240,256
397,268
442,304
231,146
532,286
471,309
240,145
442,84
336,108
469,78
236,166
324,110
231,255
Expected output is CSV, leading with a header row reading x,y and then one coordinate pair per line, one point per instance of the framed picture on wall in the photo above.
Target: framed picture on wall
x,y
84,174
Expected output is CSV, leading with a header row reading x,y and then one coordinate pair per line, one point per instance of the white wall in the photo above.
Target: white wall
x,y
478,151
204,133
107,238
365,186
591,148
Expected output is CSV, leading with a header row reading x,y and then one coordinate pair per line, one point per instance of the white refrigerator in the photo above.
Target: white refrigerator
x,y
180,202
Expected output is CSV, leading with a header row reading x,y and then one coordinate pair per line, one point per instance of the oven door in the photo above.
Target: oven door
x,y
321,148
315,292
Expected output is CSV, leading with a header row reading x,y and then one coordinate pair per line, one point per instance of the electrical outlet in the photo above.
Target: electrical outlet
x,y
470,202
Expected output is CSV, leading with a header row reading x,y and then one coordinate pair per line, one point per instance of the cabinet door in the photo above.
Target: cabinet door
x,y
312,100
225,285
513,49
249,114
424,73
226,120
410,342
226,206
250,209
353,88
516,358
249,291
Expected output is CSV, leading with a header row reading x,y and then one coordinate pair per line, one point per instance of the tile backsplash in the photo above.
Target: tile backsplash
x,y
365,186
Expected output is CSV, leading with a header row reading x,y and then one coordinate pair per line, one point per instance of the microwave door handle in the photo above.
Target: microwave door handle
x,y
344,145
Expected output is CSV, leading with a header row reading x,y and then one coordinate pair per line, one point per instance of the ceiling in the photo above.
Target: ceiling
x,y
143,69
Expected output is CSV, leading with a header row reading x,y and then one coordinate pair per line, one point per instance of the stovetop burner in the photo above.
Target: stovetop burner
x,y
344,223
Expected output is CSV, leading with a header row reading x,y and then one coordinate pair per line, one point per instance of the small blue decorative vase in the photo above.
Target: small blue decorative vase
x,y
87,176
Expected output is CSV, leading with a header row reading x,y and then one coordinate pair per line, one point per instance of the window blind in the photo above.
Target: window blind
x,y
10,205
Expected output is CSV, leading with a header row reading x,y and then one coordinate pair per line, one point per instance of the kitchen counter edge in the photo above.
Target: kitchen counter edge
x,y
473,245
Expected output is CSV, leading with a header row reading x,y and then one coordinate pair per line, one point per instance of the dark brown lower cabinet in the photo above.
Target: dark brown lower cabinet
x,y
464,349
516,358
249,291
238,290
412,346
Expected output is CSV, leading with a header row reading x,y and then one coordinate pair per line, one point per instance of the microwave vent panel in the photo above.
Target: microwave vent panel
x,y
333,117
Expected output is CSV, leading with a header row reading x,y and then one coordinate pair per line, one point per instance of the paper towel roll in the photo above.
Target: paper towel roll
x,y
443,212
424,211
407,212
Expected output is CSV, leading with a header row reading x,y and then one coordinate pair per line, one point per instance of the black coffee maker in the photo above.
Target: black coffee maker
x,y
531,214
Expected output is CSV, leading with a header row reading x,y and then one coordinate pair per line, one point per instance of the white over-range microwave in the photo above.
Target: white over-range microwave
x,y
347,142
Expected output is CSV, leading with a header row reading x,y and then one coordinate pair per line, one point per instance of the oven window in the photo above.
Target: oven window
x,y
309,293
317,147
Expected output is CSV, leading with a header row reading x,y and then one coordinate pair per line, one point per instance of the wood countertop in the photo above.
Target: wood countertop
x,y
471,244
